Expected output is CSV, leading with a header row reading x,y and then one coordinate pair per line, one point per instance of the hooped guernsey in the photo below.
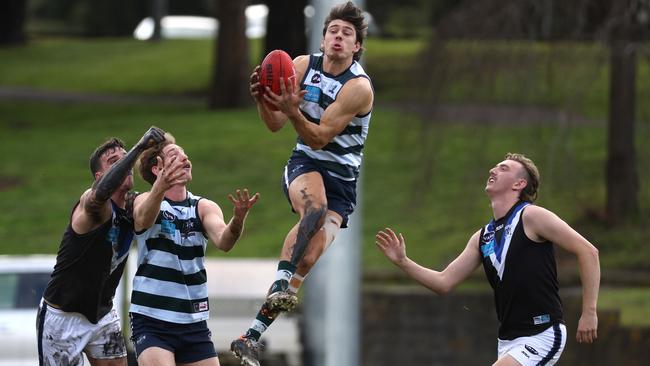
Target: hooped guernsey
x,y
171,282
89,266
522,274
342,156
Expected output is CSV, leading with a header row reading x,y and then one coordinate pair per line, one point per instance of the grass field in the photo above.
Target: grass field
x,y
566,76
426,183
424,178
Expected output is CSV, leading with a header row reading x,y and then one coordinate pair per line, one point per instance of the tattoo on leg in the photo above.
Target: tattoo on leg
x,y
308,227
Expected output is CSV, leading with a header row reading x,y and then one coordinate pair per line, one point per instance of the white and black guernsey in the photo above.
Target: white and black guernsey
x,y
523,275
342,156
170,283
89,267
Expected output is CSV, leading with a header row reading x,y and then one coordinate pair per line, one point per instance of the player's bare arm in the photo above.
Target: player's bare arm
x,y
541,224
394,248
94,208
147,205
224,236
274,120
355,98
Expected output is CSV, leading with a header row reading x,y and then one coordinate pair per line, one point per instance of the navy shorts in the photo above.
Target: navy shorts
x,y
189,342
341,195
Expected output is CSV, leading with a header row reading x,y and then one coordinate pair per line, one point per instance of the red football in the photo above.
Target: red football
x,y
276,66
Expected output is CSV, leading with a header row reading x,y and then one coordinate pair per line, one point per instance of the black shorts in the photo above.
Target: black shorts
x,y
189,342
341,194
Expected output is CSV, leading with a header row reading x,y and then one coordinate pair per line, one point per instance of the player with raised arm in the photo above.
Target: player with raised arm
x,y
169,302
329,105
76,315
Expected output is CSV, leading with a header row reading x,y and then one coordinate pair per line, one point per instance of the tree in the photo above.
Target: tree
x,y
12,22
158,11
112,18
231,67
623,29
285,27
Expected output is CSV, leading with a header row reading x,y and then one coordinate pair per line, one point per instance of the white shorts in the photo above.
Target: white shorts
x,y
541,349
63,336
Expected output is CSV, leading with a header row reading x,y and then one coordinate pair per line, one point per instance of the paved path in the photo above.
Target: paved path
x,y
31,94
463,113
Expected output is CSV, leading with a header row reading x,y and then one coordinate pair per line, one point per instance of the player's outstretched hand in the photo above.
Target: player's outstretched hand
x,y
153,136
587,328
392,245
242,202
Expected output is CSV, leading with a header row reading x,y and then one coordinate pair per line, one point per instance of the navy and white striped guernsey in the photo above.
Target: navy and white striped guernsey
x,y
170,283
342,156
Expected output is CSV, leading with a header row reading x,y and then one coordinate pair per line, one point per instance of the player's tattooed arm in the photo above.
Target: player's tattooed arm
x,y
111,180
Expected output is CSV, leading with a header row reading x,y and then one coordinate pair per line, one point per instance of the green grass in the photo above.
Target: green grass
x,y
423,178
566,76
113,65
634,304
426,183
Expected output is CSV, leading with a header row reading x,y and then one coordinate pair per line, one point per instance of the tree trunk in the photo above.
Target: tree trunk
x,y
231,66
158,11
285,27
622,177
12,22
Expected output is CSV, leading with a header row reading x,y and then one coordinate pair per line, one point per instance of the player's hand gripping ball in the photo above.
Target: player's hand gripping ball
x,y
276,67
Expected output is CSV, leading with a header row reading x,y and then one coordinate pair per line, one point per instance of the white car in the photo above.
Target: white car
x,y
189,27
192,27
22,281
236,288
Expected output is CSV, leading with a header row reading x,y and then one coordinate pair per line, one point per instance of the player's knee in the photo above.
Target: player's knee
x,y
331,227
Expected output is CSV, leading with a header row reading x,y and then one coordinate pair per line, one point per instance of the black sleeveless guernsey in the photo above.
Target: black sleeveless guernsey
x,y
522,274
89,266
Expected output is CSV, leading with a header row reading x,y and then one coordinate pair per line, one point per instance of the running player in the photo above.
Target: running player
x,y
517,253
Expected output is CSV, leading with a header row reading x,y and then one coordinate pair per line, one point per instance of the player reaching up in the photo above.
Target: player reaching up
x,y
329,105
169,301
77,314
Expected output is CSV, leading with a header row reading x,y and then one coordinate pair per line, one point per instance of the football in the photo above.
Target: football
x,y
275,68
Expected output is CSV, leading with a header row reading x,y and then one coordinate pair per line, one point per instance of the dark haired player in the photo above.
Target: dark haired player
x,y
330,111
76,314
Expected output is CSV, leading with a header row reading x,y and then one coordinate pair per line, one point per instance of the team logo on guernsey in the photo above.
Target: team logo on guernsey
x,y
508,230
332,88
168,216
487,249
541,319
313,94
167,225
488,236
315,78
113,235
531,349
200,306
